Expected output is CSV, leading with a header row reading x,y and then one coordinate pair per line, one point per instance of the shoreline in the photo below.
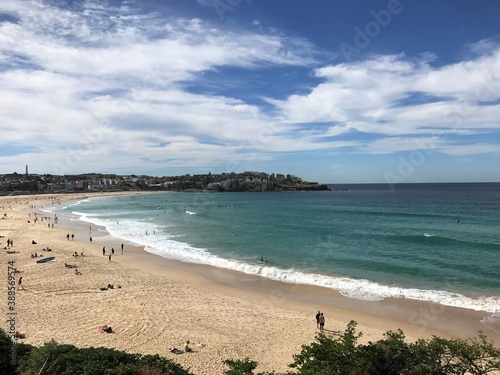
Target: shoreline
x,y
407,312
469,299
262,310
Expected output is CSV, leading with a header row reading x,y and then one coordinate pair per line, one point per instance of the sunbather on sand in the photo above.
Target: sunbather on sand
x,y
104,328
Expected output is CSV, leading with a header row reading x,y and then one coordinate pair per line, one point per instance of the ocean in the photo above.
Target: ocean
x,y
429,242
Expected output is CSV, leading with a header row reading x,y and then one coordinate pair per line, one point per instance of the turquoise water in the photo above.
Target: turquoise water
x,y
434,242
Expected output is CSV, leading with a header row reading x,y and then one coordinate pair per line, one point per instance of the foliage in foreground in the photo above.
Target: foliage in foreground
x,y
60,359
325,356
389,356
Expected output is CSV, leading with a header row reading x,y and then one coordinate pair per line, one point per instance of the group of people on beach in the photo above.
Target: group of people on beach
x,y
320,321
112,252
76,272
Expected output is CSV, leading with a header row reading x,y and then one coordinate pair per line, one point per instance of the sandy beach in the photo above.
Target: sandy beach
x,y
163,303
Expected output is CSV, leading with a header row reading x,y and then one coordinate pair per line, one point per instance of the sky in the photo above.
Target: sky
x,y
333,91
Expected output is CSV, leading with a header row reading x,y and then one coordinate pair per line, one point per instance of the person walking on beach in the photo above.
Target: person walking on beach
x,y
109,257
113,250
317,319
321,322
104,250
122,249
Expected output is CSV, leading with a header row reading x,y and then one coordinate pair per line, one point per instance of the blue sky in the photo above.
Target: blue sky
x,y
331,91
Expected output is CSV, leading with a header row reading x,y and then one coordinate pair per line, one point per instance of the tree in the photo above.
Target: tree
x,y
242,367
441,356
391,355
57,359
328,356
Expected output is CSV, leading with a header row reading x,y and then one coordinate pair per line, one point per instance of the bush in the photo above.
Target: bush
x,y
393,356
8,348
56,359
388,356
6,345
242,367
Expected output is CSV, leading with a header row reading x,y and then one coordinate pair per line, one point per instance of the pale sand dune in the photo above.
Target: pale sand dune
x,y
161,304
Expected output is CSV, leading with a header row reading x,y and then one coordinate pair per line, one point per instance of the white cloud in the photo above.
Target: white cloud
x,y
369,97
119,74
108,87
397,144
471,149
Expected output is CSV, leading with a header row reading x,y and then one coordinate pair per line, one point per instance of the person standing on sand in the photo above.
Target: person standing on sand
x,y
109,257
317,319
104,250
122,249
321,323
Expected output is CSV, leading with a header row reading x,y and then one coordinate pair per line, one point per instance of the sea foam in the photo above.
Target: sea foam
x,y
156,241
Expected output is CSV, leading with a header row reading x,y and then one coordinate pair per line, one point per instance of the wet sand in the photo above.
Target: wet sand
x,y
162,303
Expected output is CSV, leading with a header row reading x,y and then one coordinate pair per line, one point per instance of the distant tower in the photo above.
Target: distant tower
x,y
26,170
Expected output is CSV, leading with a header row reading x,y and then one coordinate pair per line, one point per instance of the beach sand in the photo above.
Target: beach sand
x,y
163,303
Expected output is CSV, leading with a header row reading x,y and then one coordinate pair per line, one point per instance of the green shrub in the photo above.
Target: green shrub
x,y
57,359
389,356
